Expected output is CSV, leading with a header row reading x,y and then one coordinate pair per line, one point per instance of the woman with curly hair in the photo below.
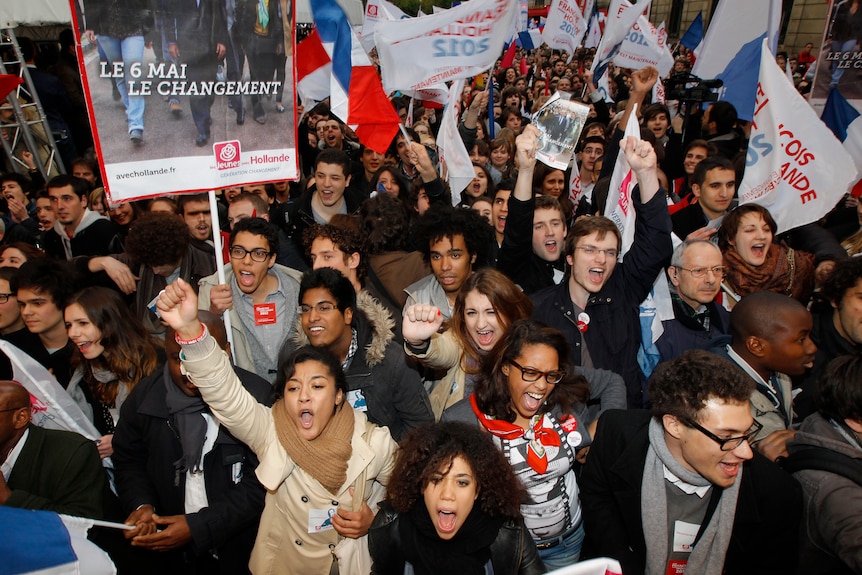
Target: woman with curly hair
x,y
529,398
452,507
113,353
485,307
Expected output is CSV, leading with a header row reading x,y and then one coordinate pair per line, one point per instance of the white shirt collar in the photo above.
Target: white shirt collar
x,y
9,464
687,488
748,369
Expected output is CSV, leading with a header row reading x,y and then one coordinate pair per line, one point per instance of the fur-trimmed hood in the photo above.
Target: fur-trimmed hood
x,y
373,324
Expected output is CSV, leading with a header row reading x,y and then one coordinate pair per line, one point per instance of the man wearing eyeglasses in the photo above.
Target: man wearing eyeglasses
x,y
695,272
357,330
680,490
596,307
260,294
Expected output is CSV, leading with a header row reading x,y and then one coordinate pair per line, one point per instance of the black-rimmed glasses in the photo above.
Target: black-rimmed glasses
x,y
257,254
4,297
730,443
530,375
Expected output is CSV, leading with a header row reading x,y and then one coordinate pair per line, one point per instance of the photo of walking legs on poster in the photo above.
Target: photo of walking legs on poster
x,y
190,94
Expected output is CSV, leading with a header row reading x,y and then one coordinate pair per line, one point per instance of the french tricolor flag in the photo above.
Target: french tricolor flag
x,y
845,121
332,63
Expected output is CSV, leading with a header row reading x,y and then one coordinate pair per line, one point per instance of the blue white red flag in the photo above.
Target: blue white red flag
x,y
45,543
356,95
845,121
313,70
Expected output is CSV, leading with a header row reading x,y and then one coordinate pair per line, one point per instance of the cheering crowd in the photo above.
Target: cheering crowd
x,y
415,379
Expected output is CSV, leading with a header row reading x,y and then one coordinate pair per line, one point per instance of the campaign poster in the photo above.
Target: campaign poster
x,y
189,95
839,59
560,123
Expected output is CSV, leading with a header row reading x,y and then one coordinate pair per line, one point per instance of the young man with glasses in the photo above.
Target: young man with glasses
x,y
696,272
261,295
596,307
358,332
680,490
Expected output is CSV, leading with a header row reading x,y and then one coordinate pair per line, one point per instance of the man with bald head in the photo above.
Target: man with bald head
x,y
46,469
770,340
188,485
695,271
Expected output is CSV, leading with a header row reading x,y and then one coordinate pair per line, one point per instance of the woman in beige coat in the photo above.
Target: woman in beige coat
x,y
313,450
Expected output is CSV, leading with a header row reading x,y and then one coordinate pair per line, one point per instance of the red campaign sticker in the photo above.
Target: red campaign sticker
x,y
570,424
264,313
676,566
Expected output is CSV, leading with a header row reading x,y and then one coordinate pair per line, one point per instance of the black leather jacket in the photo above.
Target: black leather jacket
x,y
512,553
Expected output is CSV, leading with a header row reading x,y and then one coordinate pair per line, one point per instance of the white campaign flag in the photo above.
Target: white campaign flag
x,y
595,34
378,11
619,206
459,43
565,27
604,88
450,146
645,46
51,406
622,16
439,94
795,167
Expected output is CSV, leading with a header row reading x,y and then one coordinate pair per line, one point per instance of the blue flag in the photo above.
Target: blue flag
x,y
694,35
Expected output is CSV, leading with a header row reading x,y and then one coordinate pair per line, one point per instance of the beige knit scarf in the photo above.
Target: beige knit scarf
x,y
324,457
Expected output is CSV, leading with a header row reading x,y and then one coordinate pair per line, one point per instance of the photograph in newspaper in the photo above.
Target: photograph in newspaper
x,y
560,123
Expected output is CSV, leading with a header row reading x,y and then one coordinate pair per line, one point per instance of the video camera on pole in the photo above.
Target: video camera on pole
x,y
691,92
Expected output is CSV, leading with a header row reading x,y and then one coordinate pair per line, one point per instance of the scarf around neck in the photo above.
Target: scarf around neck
x,y
325,457
785,271
538,435
707,557
186,415
466,553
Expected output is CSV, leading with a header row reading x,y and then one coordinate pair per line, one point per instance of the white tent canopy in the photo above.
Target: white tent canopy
x,y
14,13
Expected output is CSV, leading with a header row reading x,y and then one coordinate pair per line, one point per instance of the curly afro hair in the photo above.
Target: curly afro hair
x,y
157,239
442,221
432,447
682,387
